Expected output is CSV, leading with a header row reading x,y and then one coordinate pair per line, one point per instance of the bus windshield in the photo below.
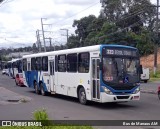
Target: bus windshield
x,y
120,70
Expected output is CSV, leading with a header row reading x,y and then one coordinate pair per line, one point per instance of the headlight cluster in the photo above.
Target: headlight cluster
x,y
107,91
136,90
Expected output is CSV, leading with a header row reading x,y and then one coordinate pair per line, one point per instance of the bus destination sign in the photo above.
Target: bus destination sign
x,y
119,52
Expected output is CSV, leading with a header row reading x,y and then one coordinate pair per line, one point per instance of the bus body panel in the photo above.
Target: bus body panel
x,y
67,83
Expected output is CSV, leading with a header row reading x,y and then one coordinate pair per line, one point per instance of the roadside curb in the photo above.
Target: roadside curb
x,y
10,97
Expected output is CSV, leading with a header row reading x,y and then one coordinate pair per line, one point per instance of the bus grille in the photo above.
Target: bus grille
x,y
122,97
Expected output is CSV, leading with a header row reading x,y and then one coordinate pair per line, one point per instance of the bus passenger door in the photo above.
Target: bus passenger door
x,y
95,79
51,73
29,78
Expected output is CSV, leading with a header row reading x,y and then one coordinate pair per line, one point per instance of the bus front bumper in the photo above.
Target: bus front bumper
x,y
119,98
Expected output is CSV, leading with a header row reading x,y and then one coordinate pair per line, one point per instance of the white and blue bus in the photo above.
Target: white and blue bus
x,y
14,67
100,73
9,69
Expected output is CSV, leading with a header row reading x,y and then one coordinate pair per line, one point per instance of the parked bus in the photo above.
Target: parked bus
x,y
14,66
17,68
100,73
9,69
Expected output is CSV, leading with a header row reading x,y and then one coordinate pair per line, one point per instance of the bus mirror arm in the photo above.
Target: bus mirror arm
x,y
100,65
140,69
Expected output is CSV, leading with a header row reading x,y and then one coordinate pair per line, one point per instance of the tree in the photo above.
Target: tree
x,y
34,48
112,10
73,41
125,13
83,27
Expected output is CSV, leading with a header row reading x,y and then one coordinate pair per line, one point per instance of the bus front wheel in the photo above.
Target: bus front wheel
x,y
43,92
36,88
82,96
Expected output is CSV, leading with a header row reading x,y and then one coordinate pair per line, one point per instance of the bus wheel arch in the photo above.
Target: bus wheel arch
x,y
81,93
37,91
43,92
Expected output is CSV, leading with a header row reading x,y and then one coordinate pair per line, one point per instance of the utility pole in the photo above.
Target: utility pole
x,y
155,45
43,34
50,41
38,40
66,33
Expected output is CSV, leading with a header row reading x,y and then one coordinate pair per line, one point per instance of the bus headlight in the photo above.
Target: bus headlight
x,y
107,91
136,90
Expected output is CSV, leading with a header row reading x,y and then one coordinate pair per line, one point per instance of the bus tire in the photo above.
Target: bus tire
x,y
82,96
37,91
44,93
145,81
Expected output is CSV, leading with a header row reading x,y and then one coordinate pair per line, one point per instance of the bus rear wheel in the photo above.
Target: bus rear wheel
x,y
36,88
82,96
43,92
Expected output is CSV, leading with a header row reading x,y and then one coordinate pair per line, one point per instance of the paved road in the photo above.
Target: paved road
x,y
150,87
67,108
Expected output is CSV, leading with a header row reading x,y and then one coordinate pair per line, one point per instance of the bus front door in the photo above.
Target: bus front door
x,y
29,75
95,79
52,84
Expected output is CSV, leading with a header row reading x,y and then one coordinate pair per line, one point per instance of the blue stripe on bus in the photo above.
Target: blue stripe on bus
x,y
115,45
33,75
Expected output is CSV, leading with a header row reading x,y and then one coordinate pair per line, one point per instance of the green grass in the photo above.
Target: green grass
x,y
154,77
41,115
157,75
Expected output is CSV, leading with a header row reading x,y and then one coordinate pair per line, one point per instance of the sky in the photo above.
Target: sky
x,y
19,19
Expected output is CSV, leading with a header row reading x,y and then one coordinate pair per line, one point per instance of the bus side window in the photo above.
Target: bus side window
x,y
29,66
39,63
83,62
56,63
24,65
45,63
72,62
62,63
33,64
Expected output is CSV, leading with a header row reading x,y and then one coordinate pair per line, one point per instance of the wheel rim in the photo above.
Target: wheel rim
x,y
42,91
82,97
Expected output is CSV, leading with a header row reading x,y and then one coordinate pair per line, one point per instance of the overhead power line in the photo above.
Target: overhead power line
x,y
76,13
4,2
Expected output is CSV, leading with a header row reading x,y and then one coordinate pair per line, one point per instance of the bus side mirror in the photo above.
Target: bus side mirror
x,y
100,65
140,69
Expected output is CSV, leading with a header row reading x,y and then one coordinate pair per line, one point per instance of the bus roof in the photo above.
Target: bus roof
x,y
14,60
75,50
